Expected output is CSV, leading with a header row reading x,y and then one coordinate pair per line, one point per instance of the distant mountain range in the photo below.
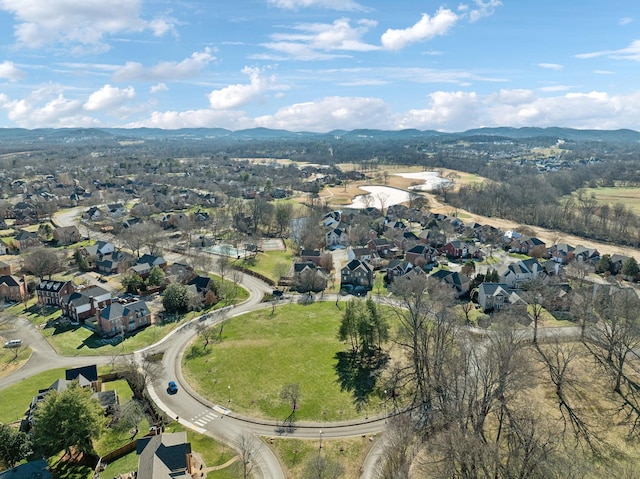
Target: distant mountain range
x,y
70,135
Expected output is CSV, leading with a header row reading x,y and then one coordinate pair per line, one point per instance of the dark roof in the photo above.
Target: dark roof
x,y
51,285
10,280
301,266
201,283
34,469
89,372
310,252
356,263
164,455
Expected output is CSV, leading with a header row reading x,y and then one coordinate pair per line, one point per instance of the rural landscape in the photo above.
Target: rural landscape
x,y
370,304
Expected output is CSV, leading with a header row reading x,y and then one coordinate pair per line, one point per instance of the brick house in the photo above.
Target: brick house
x,y
25,240
357,273
51,292
13,288
81,305
65,235
116,318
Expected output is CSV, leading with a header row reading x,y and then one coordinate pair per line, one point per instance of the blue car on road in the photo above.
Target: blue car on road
x,y
172,388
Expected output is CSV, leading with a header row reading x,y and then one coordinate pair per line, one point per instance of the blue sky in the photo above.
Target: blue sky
x,y
319,65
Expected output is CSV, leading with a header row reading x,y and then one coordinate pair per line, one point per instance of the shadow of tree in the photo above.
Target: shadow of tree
x,y
358,374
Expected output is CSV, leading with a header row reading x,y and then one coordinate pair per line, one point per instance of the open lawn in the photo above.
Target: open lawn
x,y
8,360
628,196
270,263
295,453
15,400
79,341
260,353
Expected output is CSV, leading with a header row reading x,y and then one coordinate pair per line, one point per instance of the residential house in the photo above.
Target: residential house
x,y
312,255
487,234
459,282
117,210
25,240
98,249
528,245
462,249
332,219
66,235
495,296
590,255
357,273
405,240
29,470
164,456
561,253
396,269
433,238
5,268
420,255
201,283
87,377
363,254
335,237
13,288
382,246
51,292
94,213
118,318
616,261
146,263
524,271
112,263
81,305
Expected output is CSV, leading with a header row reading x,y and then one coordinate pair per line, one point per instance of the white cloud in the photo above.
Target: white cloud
x,y
317,41
447,111
330,113
158,88
625,21
233,96
345,5
164,71
425,29
109,98
483,9
10,72
46,107
233,120
45,23
551,66
632,52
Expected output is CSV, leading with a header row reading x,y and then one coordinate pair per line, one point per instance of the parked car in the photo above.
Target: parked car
x,y
172,388
14,343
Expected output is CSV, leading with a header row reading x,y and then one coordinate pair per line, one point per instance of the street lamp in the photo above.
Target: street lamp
x,y
385,405
229,388
320,438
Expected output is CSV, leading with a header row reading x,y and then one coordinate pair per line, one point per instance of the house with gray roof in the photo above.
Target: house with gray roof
x,y
118,318
164,456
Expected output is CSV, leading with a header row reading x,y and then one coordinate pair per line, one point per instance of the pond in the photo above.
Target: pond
x,y
431,180
379,194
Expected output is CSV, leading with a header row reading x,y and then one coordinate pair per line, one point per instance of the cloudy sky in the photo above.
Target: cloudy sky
x,y
318,65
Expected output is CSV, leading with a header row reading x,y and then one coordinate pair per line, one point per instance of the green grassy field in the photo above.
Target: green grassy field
x,y
260,353
295,453
628,196
269,262
15,400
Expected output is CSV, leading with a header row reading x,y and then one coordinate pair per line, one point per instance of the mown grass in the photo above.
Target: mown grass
x,y
260,353
296,453
15,400
8,360
269,263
